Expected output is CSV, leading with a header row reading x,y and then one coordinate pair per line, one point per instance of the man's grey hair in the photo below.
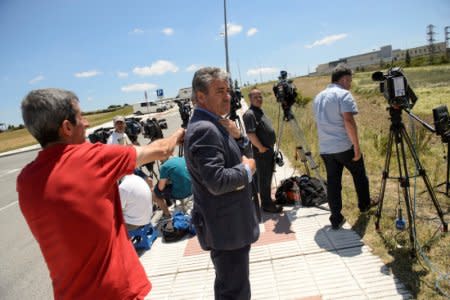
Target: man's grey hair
x,y
44,110
203,78
339,71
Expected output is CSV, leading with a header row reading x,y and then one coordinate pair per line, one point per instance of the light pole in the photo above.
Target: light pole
x,y
226,36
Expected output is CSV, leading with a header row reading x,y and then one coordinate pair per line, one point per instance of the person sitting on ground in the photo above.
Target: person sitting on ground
x,y
136,199
174,183
119,136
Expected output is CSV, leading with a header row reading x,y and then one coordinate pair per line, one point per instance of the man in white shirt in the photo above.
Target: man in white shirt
x,y
119,136
136,199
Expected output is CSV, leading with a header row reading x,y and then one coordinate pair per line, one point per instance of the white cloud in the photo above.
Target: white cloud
x,y
87,74
36,79
138,87
122,74
167,31
193,68
157,68
137,31
262,71
252,31
328,40
232,29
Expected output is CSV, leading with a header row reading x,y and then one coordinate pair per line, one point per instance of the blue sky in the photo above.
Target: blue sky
x,y
110,52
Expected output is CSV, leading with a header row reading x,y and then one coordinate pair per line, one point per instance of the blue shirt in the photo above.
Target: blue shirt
x,y
175,170
329,107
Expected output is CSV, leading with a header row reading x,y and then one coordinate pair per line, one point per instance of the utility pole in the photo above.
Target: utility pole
x,y
226,36
431,41
447,38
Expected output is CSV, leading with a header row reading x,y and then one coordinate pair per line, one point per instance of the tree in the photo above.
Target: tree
x,y
407,59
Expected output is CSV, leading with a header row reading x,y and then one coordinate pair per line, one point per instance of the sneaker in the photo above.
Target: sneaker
x,y
338,226
273,208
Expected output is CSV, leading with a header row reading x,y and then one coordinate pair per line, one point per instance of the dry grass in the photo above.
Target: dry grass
x,y
373,129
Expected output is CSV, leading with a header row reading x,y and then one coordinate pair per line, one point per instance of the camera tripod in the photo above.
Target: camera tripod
x,y
398,136
301,150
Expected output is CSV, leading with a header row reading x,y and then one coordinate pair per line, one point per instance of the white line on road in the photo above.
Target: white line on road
x,y
11,204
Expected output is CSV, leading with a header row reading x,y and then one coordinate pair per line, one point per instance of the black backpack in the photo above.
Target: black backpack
x,y
288,192
311,191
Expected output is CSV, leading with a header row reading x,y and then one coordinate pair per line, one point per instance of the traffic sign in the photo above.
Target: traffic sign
x,y
159,92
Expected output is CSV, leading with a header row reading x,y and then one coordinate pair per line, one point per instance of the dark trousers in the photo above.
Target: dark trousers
x,y
334,164
264,171
232,274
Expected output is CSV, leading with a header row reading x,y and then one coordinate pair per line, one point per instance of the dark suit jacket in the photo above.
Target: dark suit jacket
x,y
223,215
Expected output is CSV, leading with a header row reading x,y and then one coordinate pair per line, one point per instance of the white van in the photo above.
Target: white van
x,y
146,108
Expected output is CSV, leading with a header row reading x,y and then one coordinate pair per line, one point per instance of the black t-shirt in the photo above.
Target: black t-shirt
x,y
256,122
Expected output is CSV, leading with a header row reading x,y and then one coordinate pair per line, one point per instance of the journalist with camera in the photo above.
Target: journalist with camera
x,y
286,94
262,136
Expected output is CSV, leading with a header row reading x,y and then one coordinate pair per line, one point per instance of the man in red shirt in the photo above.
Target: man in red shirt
x,y
70,200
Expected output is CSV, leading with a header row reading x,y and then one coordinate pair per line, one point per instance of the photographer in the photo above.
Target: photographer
x,y
262,136
119,136
334,108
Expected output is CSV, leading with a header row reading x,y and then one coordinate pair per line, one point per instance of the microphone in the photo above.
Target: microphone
x,y
378,76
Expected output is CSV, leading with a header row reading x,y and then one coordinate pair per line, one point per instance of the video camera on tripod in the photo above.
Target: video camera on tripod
x,y
236,96
395,88
442,122
184,108
286,94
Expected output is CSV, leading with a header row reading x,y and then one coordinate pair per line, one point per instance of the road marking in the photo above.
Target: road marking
x,y
11,204
9,172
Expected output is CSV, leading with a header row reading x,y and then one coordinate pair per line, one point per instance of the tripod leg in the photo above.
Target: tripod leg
x,y
300,136
385,175
426,180
404,182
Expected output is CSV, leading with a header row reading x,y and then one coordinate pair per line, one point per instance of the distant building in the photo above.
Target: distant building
x,y
384,55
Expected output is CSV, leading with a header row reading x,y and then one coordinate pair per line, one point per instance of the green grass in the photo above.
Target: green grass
x,y
11,140
431,84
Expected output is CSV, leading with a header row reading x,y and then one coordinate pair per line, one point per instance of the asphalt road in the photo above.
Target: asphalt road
x,y
23,272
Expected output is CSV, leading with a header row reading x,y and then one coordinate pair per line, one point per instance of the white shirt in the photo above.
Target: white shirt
x,y
119,138
136,199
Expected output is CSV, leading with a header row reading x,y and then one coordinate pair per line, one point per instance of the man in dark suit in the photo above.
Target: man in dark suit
x,y
223,214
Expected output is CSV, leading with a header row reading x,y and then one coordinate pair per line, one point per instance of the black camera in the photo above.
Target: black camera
x,y
286,94
442,122
235,104
278,158
153,129
100,135
395,88
133,128
185,113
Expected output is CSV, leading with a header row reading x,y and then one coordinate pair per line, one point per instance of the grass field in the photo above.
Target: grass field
x,y
10,140
432,86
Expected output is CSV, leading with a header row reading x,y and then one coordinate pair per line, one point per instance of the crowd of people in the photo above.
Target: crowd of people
x,y
100,191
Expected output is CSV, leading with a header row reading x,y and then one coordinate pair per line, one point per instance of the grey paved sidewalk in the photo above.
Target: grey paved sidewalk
x,y
298,256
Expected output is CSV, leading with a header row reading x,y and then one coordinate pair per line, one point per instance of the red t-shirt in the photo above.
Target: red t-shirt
x,y
70,200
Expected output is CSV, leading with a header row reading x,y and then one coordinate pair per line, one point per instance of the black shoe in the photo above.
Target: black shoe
x,y
338,226
273,208
373,203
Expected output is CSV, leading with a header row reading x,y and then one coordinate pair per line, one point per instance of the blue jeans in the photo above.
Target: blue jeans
x,y
334,164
